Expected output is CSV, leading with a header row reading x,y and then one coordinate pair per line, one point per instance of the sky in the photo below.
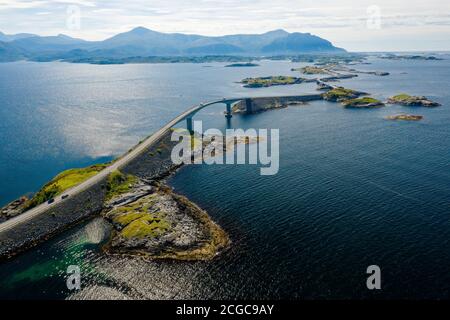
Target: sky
x,y
357,25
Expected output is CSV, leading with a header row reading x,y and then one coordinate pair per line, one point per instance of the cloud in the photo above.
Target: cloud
x,y
13,4
84,3
336,20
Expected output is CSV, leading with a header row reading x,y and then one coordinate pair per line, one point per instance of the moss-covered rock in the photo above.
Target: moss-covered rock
x,y
312,70
341,94
118,183
270,81
164,225
364,102
145,226
414,101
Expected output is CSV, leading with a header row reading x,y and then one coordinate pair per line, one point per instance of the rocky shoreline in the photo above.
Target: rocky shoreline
x,y
412,101
365,102
405,117
142,177
159,224
12,209
261,82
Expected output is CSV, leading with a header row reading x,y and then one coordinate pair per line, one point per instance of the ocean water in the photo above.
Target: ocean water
x,y
353,189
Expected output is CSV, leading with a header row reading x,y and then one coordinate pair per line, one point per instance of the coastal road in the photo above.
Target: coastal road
x,y
122,161
26,216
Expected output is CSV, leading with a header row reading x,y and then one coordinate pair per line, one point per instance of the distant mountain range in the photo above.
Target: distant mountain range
x,y
142,42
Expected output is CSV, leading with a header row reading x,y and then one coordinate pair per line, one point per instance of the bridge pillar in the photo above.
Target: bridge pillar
x,y
228,112
190,128
189,125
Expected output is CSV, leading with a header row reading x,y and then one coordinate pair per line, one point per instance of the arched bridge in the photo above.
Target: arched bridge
x,y
250,104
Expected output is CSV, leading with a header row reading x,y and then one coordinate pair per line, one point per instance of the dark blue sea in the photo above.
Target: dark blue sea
x,y
353,189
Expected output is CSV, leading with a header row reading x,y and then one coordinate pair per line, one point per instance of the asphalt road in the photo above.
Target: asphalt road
x,y
26,216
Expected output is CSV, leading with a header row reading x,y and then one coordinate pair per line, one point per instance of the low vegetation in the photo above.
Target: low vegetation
x,y
139,220
270,81
63,181
118,183
311,70
408,100
365,102
401,97
145,226
341,94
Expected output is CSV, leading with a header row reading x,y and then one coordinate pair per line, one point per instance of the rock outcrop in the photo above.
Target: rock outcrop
x,y
405,117
162,224
412,101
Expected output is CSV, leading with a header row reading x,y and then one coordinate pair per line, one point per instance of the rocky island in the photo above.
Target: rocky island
x,y
364,102
405,117
412,101
238,65
270,81
311,70
340,94
350,98
409,57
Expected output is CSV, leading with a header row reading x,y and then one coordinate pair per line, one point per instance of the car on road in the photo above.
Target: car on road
x,y
65,196
51,200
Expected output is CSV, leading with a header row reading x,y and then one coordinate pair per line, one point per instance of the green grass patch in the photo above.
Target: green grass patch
x,y
145,226
140,219
402,97
126,219
361,102
63,181
339,94
312,70
270,81
118,183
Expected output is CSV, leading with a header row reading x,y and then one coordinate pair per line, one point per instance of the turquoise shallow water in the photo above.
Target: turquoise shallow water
x,y
352,190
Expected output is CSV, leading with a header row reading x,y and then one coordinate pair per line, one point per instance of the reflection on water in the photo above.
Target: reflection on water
x,y
43,270
352,190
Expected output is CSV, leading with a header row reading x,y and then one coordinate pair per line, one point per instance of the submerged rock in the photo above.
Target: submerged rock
x,y
406,117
